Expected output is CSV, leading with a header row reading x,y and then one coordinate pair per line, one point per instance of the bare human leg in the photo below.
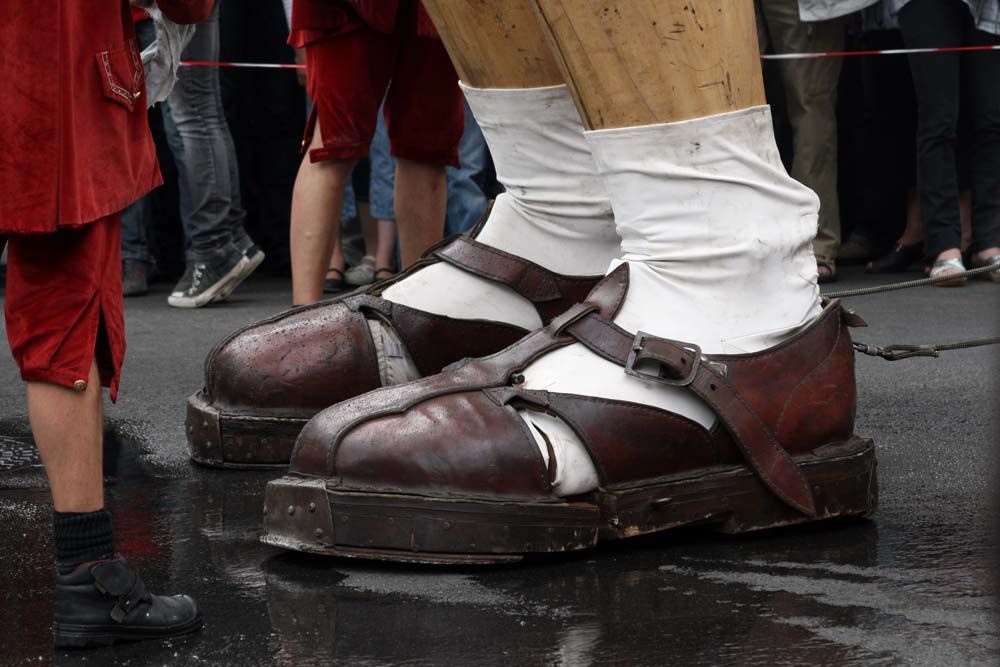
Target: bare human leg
x,y
68,430
369,227
67,425
385,246
421,199
315,231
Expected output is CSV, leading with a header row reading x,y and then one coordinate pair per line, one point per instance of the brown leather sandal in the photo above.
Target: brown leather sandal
x,y
265,381
443,470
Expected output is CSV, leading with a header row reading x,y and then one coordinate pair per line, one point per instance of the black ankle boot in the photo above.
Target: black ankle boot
x,y
103,602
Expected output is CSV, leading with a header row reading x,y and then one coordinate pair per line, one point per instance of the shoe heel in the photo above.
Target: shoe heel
x,y
76,637
733,500
843,485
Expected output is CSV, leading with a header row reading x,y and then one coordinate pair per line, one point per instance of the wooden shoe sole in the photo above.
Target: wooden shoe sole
x,y
303,514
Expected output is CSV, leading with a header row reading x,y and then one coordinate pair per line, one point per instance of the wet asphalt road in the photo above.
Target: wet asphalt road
x,y
914,585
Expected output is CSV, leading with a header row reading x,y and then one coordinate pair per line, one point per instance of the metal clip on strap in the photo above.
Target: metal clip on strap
x,y
125,600
897,352
676,362
682,364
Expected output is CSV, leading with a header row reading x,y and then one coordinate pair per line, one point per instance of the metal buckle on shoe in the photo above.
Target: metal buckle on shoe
x,y
681,359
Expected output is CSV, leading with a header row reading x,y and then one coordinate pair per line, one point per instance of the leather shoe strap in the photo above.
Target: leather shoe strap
x,y
682,364
118,581
528,279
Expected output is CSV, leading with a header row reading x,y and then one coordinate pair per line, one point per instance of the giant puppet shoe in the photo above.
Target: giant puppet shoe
x,y
541,248
445,470
600,425
264,382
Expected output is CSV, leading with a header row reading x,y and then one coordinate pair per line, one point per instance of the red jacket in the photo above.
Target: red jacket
x,y
74,141
331,15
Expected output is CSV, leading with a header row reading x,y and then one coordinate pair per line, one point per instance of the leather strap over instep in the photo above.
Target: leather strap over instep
x,y
532,281
675,363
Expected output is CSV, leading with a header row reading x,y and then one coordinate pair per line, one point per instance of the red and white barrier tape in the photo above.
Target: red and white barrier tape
x,y
878,52
770,56
215,63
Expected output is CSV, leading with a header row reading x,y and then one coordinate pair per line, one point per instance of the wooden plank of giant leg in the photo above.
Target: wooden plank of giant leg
x,y
638,62
495,43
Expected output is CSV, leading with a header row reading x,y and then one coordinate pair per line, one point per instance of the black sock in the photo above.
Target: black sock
x,y
80,537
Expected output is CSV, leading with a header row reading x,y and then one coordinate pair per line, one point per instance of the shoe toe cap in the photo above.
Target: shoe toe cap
x,y
457,444
299,362
175,609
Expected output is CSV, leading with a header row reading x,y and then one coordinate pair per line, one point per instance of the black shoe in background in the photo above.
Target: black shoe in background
x,y
253,256
897,260
209,280
104,602
135,277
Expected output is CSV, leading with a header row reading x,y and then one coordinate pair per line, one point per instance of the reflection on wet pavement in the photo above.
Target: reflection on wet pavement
x,y
848,593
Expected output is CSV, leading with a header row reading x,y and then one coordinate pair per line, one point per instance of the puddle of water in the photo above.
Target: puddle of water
x,y
845,593
17,455
21,464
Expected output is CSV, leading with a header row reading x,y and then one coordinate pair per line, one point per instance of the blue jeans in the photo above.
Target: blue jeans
x,y
198,135
466,200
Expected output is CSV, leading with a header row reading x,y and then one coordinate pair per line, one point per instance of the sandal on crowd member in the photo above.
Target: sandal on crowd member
x,y
540,248
445,470
826,271
992,276
901,258
336,284
944,267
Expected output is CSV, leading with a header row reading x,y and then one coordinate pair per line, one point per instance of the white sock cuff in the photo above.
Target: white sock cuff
x,y
490,105
712,224
751,126
555,211
731,146
723,168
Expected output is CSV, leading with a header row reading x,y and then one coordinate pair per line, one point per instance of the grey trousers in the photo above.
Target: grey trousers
x,y
203,150
811,98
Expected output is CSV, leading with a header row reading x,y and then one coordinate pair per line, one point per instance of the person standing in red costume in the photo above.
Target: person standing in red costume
x,y
76,150
357,52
